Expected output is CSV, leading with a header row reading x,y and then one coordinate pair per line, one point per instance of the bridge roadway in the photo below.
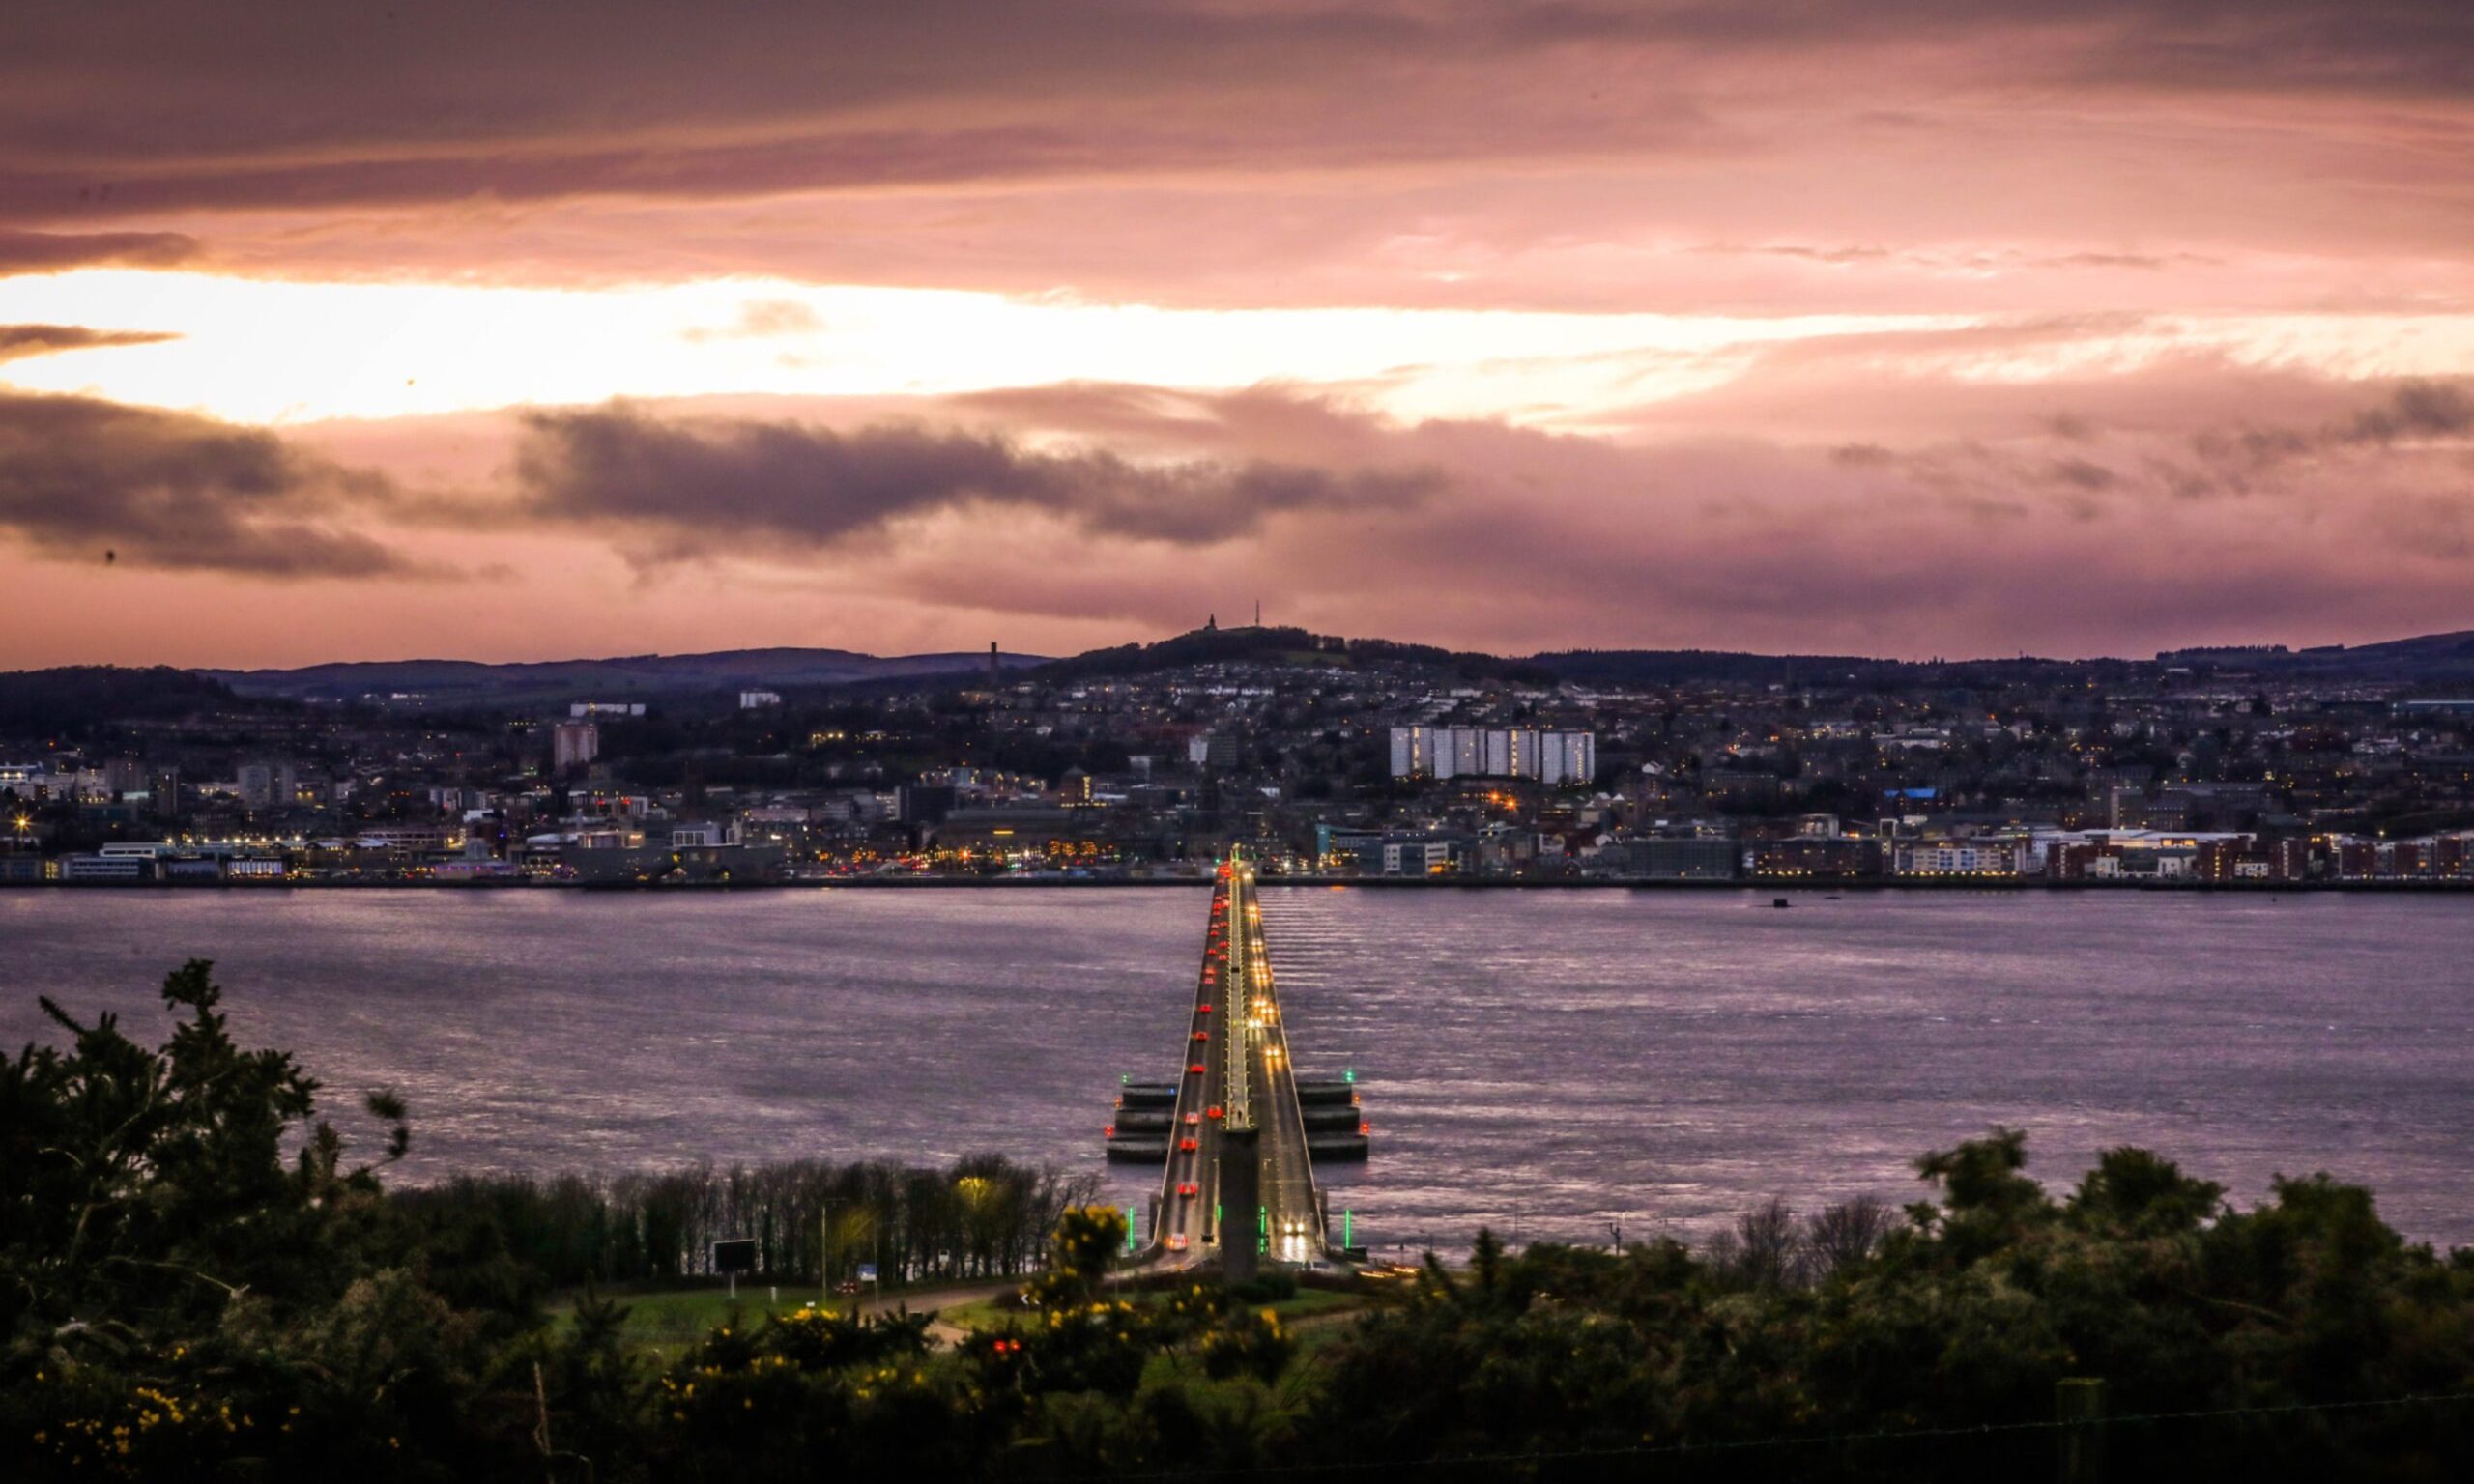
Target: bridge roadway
x,y
1237,1072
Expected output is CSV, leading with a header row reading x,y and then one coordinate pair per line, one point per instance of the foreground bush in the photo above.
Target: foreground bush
x,y
2327,1346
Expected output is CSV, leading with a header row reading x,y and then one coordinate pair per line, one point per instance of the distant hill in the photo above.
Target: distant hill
x,y
1683,666
2435,658
631,677
71,701
2431,657
50,698
1582,666
2425,659
1261,645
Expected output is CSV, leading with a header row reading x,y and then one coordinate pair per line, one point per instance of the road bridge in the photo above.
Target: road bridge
x,y
1239,1183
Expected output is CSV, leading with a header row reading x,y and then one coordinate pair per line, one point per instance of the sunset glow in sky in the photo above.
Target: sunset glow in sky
x,y
564,329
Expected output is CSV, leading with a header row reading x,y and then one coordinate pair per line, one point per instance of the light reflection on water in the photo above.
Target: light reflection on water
x,y
1541,1061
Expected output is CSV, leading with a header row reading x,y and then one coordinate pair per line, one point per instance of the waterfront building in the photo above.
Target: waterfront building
x,y
1671,857
1990,856
1815,856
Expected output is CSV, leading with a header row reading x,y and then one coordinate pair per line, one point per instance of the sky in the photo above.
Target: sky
x,y
348,331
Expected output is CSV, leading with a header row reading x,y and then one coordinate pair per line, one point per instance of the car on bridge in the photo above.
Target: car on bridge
x,y
1188,1146
1189,1191
1195,1070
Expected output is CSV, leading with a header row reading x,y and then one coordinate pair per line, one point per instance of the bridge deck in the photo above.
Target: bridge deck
x,y
1248,1080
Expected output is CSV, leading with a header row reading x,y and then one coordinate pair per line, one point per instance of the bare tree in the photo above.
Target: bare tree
x,y
1768,1241
1844,1235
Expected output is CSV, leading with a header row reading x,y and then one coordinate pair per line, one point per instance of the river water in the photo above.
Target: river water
x,y
1545,1062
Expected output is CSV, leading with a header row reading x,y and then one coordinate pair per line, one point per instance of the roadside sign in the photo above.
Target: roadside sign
x,y
735,1256
867,1273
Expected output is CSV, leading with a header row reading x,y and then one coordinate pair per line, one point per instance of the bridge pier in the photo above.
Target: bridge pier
x,y
1241,1204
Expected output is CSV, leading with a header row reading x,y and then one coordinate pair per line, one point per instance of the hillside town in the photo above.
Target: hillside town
x,y
1326,758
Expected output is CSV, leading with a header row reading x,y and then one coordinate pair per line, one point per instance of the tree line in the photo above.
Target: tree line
x,y
812,1220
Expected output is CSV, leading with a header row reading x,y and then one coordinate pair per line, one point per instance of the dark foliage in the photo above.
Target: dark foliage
x,y
198,1281
1789,1350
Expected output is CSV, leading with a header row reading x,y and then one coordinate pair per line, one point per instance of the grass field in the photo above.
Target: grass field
x,y
675,1316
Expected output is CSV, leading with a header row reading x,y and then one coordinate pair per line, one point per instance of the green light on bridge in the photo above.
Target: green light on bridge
x,y
1348,1074
1348,1227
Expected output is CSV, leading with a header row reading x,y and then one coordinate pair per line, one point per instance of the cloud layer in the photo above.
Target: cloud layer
x,y
1914,327
1659,155
1078,509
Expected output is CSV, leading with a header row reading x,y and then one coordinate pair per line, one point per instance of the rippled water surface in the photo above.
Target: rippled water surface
x,y
1544,1061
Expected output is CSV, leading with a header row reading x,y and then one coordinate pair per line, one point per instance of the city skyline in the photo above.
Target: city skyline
x,y
1913,332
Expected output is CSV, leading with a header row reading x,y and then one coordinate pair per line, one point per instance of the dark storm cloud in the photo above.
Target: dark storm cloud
x,y
301,105
284,105
46,252
81,477
18,341
704,486
2398,45
2082,474
2416,409
2408,412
